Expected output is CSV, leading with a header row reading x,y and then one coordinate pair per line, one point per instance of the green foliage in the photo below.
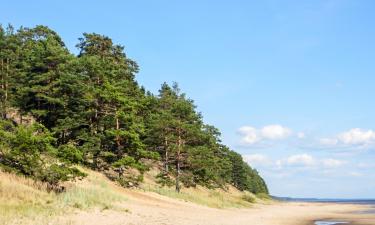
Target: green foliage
x,y
70,153
109,157
124,162
263,196
130,180
90,110
22,147
56,173
248,198
164,180
244,177
28,150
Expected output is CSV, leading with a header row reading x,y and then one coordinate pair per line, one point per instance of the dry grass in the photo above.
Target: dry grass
x,y
203,196
215,198
24,201
21,197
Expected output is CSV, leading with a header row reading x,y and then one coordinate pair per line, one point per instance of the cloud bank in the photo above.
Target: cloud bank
x,y
353,137
251,135
303,160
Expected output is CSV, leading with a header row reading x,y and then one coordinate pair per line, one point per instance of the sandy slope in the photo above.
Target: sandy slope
x,y
153,209
21,199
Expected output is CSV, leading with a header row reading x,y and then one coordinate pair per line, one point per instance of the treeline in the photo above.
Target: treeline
x,y
89,109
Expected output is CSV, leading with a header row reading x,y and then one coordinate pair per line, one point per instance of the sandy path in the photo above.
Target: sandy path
x,y
153,209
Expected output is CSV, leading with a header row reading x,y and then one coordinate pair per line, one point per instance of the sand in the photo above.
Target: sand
x,y
145,208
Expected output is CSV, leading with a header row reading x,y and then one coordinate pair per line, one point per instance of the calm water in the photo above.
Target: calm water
x,y
350,201
321,222
327,200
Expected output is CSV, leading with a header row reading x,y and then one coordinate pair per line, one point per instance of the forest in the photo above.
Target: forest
x,y
61,110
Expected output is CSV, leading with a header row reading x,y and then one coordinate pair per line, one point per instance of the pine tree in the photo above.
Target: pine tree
x,y
8,70
43,52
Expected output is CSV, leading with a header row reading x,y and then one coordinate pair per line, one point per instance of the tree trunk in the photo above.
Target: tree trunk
x,y
6,84
178,155
117,129
166,155
3,115
5,77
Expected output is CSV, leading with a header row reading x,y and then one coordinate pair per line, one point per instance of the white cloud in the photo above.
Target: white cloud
x,y
308,161
357,136
251,135
353,137
274,132
300,160
257,159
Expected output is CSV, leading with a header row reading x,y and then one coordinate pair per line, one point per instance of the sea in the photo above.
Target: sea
x,y
340,201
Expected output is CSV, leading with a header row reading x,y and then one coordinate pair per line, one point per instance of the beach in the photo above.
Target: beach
x,y
150,208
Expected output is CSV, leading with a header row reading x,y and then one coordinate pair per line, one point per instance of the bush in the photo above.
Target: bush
x,y
28,150
188,180
164,180
248,198
126,161
109,157
70,153
22,148
130,181
59,173
263,196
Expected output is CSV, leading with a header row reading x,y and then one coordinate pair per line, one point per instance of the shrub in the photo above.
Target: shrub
x,y
164,180
70,153
28,150
263,196
248,198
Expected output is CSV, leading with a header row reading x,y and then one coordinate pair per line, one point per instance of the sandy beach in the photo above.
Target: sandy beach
x,y
150,208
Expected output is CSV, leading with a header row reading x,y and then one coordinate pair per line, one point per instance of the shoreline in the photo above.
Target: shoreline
x,y
352,217
150,208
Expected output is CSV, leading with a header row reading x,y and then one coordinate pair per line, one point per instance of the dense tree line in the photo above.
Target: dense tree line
x,y
89,109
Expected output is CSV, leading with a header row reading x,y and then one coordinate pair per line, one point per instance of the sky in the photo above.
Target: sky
x,y
290,84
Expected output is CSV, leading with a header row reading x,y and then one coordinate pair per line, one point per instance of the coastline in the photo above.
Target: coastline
x,y
141,207
351,215
150,208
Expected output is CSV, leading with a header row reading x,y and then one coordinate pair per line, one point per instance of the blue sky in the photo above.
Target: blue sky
x,y
289,83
